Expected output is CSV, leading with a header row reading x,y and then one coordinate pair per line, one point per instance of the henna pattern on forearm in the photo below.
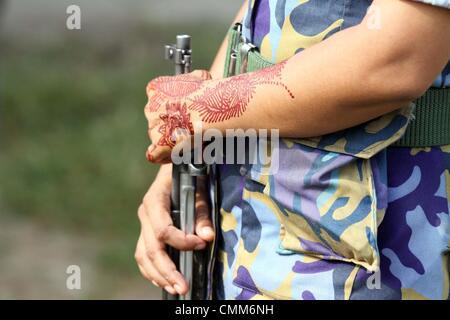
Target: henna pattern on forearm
x,y
176,118
231,97
172,87
226,99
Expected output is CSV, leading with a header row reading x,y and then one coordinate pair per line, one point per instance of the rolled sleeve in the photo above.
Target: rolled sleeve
x,y
439,3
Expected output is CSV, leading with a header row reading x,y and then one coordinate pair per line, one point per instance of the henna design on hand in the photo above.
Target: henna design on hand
x,y
175,119
231,97
174,87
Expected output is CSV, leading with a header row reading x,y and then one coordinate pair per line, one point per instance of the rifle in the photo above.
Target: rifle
x,y
192,264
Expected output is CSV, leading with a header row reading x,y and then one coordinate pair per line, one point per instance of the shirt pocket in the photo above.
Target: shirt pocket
x,y
330,191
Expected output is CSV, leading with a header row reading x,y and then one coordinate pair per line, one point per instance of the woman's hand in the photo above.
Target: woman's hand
x,y
170,119
157,231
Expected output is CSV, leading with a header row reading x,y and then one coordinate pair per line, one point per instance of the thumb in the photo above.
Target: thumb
x,y
203,224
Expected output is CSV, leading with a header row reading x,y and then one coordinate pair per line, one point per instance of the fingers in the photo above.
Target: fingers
x,y
179,240
158,154
162,225
157,230
203,224
162,130
167,270
155,252
148,270
160,151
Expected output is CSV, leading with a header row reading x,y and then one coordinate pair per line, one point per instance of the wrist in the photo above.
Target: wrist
x,y
164,175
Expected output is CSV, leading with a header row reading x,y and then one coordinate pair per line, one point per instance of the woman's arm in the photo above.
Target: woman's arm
x,y
354,76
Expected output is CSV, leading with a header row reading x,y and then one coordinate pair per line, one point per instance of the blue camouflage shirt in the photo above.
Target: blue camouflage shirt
x,y
346,216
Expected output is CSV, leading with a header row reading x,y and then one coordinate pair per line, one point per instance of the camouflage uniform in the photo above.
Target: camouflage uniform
x,y
343,210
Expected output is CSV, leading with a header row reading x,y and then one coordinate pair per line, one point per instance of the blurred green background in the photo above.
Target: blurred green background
x,y
73,136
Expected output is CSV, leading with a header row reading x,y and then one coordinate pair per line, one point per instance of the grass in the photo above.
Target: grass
x,y
73,133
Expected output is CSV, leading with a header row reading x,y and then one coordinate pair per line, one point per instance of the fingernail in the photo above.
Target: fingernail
x,y
149,156
177,288
207,231
155,284
169,289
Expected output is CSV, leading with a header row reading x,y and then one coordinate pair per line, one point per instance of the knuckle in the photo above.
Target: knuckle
x,y
139,258
147,198
162,234
141,212
153,84
152,254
